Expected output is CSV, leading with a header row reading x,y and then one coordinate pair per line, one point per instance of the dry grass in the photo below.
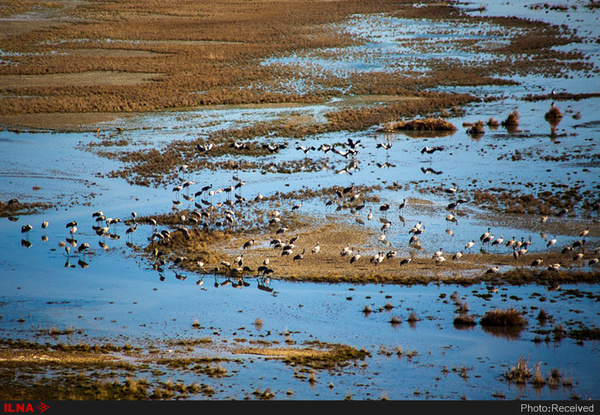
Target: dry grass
x,y
553,113
512,120
316,355
519,373
477,128
85,79
202,54
503,318
426,124
464,319
208,53
14,207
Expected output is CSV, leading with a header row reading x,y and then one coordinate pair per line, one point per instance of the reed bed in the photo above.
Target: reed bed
x,y
211,53
503,318
425,124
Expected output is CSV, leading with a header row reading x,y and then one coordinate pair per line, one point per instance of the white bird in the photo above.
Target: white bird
x,y
451,218
485,235
554,267
469,245
317,248
498,241
431,150
378,258
510,242
205,148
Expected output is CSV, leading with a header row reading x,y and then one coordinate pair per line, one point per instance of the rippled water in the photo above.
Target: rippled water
x,y
114,294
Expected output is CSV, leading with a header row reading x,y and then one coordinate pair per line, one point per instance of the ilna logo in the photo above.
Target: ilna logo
x,y
25,407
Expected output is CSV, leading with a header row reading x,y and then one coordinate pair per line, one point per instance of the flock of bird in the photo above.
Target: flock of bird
x,y
222,215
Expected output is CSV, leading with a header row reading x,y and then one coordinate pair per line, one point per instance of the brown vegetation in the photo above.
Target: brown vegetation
x,y
477,128
107,57
553,113
316,355
205,53
512,120
427,124
464,319
503,318
13,207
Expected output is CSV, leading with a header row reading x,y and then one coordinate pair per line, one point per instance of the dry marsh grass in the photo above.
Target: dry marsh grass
x,y
553,113
427,124
316,355
13,208
203,53
503,318
207,53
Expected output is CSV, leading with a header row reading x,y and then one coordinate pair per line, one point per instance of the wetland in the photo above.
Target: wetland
x,y
297,200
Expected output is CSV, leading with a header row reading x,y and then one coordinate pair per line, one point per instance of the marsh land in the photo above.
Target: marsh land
x,y
299,200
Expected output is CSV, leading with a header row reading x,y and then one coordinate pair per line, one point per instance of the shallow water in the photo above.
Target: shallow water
x,y
114,294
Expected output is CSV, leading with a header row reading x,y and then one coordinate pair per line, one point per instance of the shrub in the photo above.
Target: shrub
x,y
503,318
512,120
519,373
553,113
464,320
476,128
426,124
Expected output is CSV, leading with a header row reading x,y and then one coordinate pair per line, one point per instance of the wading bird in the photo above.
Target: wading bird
x,y
385,207
317,248
469,245
26,228
299,256
431,150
